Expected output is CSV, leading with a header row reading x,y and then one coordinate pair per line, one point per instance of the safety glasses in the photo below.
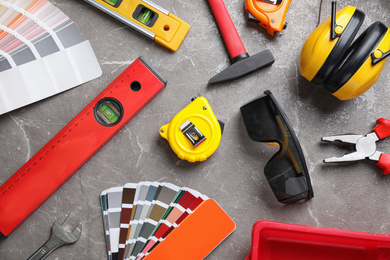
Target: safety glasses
x,y
286,171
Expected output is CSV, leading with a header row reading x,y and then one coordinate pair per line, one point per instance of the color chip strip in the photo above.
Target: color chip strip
x,y
127,208
167,195
144,199
114,202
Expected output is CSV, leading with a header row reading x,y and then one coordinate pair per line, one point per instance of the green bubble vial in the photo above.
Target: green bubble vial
x,y
108,112
146,16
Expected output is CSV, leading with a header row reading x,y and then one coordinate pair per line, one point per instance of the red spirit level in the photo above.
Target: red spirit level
x,y
77,142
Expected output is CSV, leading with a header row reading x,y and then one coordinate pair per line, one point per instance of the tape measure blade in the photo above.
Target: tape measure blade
x,y
74,145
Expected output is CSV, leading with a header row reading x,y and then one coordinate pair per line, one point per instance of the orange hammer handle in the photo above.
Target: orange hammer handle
x,y
228,30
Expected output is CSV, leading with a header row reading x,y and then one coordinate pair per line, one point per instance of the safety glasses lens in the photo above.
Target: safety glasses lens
x,y
286,171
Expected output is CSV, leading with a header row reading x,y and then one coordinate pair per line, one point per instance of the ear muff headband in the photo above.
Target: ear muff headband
x,y
355,56
318,45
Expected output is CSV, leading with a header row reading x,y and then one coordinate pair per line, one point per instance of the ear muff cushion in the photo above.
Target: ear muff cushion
x,y
367,74
355,56
340,48
318,45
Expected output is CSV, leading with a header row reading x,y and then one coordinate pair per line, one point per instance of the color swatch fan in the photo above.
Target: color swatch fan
x,y
42,53
152,220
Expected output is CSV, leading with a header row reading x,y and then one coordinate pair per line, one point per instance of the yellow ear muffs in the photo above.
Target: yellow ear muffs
x,y
345,70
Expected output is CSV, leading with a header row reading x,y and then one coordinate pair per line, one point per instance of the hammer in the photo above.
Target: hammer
x,y
242,63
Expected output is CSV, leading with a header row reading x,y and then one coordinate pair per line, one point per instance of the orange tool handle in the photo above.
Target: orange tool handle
x,y
228,30
384,163
382,129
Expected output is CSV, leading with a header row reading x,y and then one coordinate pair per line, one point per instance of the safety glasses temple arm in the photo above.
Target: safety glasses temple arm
x,y
285,137
285,147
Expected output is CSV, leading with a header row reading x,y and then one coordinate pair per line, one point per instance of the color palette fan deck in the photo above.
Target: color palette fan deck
x,y
42,53
151,220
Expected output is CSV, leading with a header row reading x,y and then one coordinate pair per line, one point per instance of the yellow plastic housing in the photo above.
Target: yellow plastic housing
x,y
169,30
201,115
367,74
319,45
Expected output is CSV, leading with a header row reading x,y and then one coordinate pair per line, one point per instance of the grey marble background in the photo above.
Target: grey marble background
x,y
353,196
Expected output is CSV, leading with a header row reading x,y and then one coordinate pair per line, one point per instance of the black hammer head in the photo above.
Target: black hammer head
x,y
244,67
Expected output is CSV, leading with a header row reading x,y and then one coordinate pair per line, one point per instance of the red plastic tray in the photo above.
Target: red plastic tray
x,y
279,241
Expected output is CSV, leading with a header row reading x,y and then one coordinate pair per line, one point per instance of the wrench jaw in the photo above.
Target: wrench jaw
x,y
68,237
74,235
59,237
61,221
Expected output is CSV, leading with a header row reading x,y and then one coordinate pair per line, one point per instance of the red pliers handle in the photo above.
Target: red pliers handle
x,y
365,146
382,130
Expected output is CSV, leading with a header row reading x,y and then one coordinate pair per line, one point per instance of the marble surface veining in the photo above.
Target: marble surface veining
x,y
351,196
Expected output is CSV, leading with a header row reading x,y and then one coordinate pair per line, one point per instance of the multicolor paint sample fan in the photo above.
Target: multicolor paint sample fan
x,y
152,220
42,53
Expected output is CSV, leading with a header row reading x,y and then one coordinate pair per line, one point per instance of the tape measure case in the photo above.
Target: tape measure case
x,y
194,133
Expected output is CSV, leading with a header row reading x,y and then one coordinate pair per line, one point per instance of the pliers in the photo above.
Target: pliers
x,y
365,146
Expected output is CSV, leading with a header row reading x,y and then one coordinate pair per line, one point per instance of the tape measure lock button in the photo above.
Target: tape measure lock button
x,y
108,111
194,133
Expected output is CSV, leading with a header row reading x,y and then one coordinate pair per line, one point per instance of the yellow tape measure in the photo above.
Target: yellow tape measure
x,y
194,133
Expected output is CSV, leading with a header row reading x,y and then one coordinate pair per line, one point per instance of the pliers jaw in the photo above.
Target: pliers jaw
x,y
365,146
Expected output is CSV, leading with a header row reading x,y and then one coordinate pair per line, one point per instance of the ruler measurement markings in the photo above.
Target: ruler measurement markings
x,y
59,159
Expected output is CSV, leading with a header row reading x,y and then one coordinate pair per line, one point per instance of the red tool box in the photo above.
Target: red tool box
x,y
279,241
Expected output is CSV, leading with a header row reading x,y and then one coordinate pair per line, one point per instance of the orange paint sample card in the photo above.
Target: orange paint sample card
x,y
197,236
